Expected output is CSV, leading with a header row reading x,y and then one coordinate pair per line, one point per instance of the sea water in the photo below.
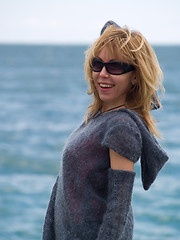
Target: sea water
x,y
42,99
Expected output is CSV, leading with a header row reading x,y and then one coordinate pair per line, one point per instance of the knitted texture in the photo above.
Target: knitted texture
x,y
90,201
117,221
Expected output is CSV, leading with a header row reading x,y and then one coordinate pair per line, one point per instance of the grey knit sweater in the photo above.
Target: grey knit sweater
x,y
90,201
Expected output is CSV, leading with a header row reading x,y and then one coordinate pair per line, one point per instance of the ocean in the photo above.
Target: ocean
x,y
42,100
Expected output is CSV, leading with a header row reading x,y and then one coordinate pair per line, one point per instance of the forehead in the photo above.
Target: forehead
x,y
107,54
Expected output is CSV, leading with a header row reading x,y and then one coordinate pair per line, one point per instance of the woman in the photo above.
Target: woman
x,y
91,198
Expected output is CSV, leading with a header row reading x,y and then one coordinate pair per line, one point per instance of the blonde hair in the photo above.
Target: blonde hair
x,y
132,46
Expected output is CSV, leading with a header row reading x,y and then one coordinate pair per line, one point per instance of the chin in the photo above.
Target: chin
x,y
106,100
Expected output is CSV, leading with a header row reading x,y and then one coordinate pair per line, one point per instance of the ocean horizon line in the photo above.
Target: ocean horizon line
x,y
73,44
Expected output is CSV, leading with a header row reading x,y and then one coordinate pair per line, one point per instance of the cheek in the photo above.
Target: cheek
x,y
124,84
94,81
128,83
94,77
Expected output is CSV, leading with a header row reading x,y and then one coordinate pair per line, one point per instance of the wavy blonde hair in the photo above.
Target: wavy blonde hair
x,y
135,49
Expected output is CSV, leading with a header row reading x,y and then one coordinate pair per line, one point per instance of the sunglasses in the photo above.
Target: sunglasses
x,y
112,67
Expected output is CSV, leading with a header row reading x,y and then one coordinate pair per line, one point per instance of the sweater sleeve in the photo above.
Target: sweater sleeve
x,y
48,231
124,139
118,219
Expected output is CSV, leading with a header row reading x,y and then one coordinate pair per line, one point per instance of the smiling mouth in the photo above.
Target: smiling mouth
x,y
103,85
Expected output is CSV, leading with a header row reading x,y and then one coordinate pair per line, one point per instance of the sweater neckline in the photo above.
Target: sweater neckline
x,y
100,113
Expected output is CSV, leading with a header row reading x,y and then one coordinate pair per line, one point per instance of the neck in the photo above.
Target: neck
x,y
111,109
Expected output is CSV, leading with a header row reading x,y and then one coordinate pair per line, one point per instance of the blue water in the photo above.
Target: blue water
x,y
42,99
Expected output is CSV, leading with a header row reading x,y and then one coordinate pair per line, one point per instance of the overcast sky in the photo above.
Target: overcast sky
x,y
80,21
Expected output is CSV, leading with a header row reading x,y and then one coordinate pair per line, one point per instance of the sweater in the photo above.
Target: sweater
x,y
91,201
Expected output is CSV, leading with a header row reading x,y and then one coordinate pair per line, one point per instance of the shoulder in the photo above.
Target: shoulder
x,y
123,122
122,134
123,117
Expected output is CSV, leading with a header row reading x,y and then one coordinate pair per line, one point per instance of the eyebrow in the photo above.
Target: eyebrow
x,y
112,60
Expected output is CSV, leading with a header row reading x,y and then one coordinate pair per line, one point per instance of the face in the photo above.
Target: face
x,y
112,89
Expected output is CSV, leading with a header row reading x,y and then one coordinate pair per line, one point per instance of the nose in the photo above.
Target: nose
x,y
104,72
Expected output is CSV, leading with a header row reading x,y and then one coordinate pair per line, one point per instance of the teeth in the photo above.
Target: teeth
x,y
105,85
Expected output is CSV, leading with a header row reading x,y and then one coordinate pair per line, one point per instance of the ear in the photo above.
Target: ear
x,y
134,80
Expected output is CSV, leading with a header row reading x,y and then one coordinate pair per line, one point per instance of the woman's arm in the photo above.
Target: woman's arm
x,y
118,219
119,162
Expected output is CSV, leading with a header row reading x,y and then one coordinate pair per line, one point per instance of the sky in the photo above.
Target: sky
x,y
80,21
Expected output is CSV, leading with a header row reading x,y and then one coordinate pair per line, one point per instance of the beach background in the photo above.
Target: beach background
x,y
43,99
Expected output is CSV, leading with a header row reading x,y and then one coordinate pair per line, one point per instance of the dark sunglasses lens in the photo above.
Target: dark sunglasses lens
x,y
112,67
115,68
96,65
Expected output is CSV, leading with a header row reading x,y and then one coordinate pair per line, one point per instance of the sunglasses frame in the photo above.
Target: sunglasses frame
x,y
126,67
